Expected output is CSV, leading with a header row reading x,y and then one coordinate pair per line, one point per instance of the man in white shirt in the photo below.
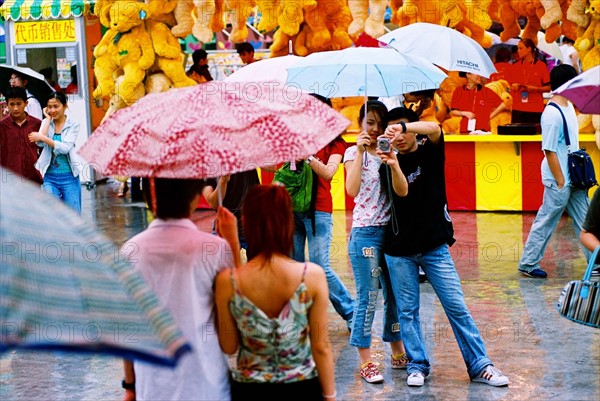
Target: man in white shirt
x,y
558,192
179,263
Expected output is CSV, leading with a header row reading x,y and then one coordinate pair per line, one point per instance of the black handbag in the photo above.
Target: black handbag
x,y
581,168
579,301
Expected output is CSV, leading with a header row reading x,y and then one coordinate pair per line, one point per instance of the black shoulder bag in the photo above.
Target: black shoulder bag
x,y
581,168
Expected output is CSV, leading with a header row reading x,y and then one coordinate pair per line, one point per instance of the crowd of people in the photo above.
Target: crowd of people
x,y
272,310
269,307
525,69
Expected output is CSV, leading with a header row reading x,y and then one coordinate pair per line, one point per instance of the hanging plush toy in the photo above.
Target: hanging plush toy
x,y
587,44
368,16
168,53
125,47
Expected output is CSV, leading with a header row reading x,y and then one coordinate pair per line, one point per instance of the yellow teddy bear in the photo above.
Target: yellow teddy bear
x,y
268,10
209,19
509,13
340,25
349,107
576,13
502,89
450,125
280,45
126,46
474,20
168,53
162,11
158,82
550,13
587,44
368,16
102,11
310,25
240,11
329,22
117,102
469,17
405,12
290,15
590,124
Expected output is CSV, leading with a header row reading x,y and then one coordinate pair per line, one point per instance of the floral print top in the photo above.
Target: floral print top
x,y
372,204
273,350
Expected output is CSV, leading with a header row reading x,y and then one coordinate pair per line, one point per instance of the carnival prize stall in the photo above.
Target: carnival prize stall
x,y
56,34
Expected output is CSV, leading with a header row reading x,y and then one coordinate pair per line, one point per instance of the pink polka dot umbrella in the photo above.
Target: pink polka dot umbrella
x,y
211,130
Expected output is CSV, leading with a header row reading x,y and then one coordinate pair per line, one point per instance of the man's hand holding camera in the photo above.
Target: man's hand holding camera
x,y
388,156
385,150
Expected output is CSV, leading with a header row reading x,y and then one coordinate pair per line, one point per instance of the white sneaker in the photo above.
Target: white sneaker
x,y
492,376
415,379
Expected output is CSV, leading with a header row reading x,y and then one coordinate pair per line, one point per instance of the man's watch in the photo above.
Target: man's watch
x,y
128,386
403,125
309,159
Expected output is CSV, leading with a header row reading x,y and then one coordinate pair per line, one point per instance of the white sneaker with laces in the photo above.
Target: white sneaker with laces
x,y
492,376
415,379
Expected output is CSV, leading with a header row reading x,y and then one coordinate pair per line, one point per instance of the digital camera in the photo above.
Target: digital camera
x,y
384,144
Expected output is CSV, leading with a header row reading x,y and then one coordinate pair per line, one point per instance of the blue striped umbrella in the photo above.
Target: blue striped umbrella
x,y
64,286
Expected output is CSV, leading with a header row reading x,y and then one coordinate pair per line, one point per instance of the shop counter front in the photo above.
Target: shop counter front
x,y
500,172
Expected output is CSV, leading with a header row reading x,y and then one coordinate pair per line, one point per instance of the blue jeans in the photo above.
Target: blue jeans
x,y
439,267
365,249
555,201
318,252
65,187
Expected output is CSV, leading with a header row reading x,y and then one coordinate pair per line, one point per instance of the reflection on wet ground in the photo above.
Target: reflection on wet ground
x,y
545,356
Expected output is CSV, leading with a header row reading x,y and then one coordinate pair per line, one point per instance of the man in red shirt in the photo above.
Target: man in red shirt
x,y
475,103
16,152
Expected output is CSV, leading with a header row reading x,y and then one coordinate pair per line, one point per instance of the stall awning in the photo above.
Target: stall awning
x,y
44,9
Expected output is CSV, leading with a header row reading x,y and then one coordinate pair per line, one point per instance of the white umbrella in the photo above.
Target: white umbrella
x,y
551,49
584,91
364,71
265,70
441,46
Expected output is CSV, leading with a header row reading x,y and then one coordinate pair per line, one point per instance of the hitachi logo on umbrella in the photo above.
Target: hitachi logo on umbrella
x,y
468,63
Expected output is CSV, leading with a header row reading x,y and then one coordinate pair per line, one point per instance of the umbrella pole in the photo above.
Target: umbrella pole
x,y
364,123
219,192
153,195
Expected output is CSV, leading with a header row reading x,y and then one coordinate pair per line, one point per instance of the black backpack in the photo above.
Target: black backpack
x,y
581,168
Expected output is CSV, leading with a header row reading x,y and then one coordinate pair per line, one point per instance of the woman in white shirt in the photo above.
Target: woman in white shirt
x,y
58,163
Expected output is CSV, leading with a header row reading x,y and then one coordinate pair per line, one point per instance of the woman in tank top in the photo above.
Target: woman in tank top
x,y
273,310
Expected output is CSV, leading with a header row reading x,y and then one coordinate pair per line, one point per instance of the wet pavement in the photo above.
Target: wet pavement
x,y
546,357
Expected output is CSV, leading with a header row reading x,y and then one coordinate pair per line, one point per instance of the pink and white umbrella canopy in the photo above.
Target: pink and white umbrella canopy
x,y
211,130
584,91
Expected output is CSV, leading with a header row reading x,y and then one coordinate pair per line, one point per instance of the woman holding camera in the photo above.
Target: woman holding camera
x,y
365,247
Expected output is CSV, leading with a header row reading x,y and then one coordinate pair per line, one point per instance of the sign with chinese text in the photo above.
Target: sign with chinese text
x,y
44,31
